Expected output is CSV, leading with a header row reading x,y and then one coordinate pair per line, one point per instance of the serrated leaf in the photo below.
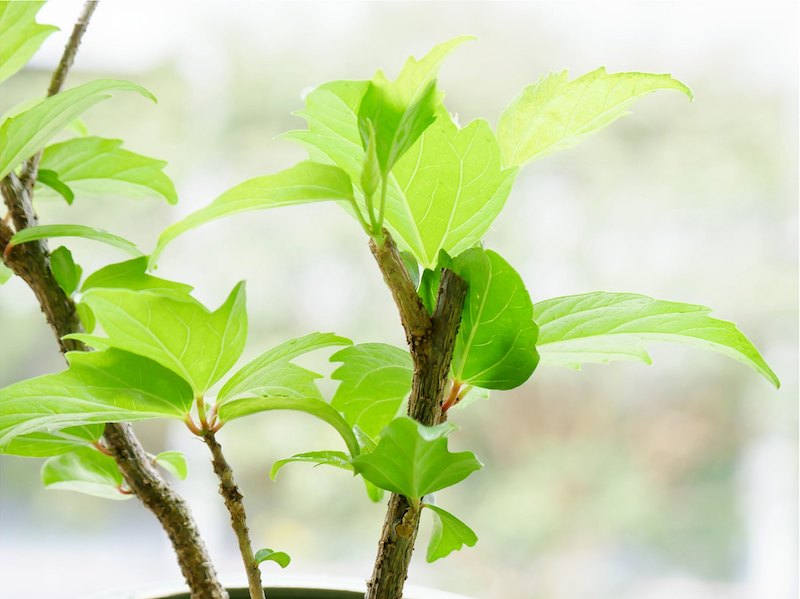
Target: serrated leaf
x,y
603,327
172,328
495,347
5,273
51,180
41,445
449,534
20,35
273,374
413,460
97,387
23,135
374,378
337,459
130,274
67,273
97,166
174,462
52,231
84,470
279,557
245,406
305,182
556,113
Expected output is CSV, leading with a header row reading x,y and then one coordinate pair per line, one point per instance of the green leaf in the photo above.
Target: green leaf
x,y
449,534
84,470
602,327
273,374
41,445
495,347
5,273
97,166
25,134
279,557
173,462
51,231
555,113
20,35
172,328
236,408
88,321
413,460
67,273
97,387
305,182
375,379
337,459
51,180
131,274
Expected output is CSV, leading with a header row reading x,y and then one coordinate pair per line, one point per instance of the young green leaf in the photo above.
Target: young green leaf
x,y
412,460
42,445
555,113
97,387
337,459
375,379
5,273
51,231
602,327
25,134
131,274
173,462
67,273
97,166
20,35
495,347
84,470
50,179
279,557
449,534
273,374
305,182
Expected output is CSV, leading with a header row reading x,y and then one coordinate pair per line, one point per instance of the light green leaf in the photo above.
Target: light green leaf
x,y
279,557
51,231
131,274
172,328
305,182
41,445
84,470
602,327
173,462
495,347
5,273
413,460
236,408
20,35
51,180
556,113
98,387
88,321
67,273
25,134
97,166
449,534
273,373
375,379
337,459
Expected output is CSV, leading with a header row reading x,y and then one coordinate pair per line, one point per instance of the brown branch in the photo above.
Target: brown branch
x,y
233,501
431,342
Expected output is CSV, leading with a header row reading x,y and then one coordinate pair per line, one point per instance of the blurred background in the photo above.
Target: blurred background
x,y
621,481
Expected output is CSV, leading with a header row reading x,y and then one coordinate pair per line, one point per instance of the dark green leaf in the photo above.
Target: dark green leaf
x,y
279,557
20,35
51,231
84,470
449,534
67,273
51,180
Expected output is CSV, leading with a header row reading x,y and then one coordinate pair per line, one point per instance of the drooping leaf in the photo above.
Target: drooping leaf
x,y
375,379
495,347
173,462
97,387
556,113
52,231
602,327
305,182
279,557
5,273
97,166
273,374
238,407
172,328
413,460
84,470
23,135
337,459
131,274
20,35
449,534
42,445
67,273
51,180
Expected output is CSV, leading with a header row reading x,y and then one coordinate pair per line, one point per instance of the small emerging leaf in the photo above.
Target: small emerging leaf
x,y
5,273
449,534
52,231
51,180
84,470
336,459
20,35
279,557
173,462
67,273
